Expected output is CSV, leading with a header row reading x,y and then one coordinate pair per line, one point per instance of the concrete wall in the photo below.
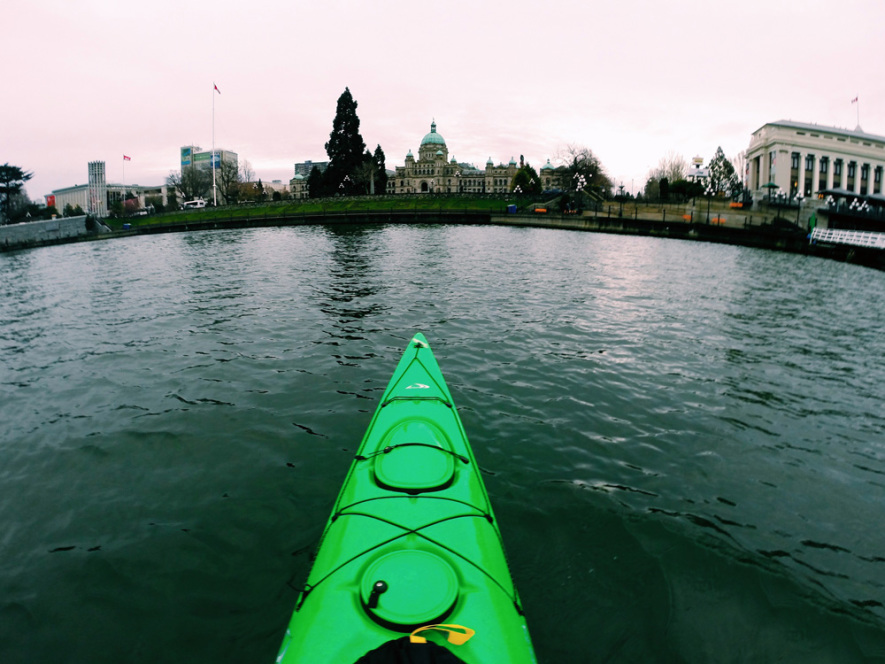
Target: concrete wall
x,y
35,233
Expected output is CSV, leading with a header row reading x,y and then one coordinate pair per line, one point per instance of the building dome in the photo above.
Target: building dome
x,y
433,138
546,166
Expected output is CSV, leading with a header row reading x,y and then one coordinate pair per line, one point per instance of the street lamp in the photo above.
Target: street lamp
x,y
709,192
579,186
799,198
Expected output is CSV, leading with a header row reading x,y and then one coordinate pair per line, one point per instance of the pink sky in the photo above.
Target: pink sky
x,y
633,80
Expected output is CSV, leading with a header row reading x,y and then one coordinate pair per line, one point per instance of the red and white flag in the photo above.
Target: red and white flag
x,y
854,101
125,158
216,89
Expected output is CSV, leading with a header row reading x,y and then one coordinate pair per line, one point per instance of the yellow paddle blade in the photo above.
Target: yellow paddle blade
x,y
457,635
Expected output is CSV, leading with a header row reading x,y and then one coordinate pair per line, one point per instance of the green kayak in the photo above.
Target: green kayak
x,y
411,564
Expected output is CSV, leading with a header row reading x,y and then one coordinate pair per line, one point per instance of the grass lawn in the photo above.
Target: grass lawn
x,y
319,206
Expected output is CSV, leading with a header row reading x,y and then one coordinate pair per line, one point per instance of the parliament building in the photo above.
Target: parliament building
x,y
434,172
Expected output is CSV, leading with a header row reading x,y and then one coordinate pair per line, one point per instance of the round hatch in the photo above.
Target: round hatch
x,y
409,588
415,459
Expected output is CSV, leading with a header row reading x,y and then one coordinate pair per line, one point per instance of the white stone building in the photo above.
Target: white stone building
x,y
808,159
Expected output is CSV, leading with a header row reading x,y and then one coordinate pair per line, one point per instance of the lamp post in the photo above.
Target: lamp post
x,y
799,198
579,186
709,192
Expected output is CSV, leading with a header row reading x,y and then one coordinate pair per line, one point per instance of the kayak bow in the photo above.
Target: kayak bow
x,y
412,545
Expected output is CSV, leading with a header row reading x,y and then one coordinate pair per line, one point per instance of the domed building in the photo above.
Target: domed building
x,y
434,172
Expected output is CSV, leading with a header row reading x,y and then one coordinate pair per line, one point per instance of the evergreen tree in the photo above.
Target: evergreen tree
x,y
380,171
527,180
345,148
12,180
723,179
315,183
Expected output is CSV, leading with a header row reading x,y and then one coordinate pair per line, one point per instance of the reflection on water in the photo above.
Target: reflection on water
x,y
682,441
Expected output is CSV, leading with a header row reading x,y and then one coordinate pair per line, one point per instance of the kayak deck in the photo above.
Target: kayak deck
x,y
412,539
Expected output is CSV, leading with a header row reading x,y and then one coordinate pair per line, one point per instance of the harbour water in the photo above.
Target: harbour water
x,y
683,442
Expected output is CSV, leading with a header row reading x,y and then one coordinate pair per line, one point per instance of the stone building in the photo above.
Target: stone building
x,y
434,172
808,159
298,187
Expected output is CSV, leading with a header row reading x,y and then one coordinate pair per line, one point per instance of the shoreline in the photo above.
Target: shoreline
x,y
761,236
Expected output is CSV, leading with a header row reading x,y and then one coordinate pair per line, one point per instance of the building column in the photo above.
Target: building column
x,y
814,164
782,169
815,176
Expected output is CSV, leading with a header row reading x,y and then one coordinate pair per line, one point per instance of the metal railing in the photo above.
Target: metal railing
x,y
869,239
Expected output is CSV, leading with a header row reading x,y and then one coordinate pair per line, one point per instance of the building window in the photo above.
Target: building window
x,y
809,162
851,169
794,163
877,175
824,162
865,172
837,168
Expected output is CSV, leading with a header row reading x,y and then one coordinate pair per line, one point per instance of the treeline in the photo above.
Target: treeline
x,y
672,180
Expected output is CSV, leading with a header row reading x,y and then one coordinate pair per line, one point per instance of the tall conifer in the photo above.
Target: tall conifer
x,y
345,148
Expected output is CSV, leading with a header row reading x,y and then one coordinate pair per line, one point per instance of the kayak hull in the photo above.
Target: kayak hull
x,y
412,539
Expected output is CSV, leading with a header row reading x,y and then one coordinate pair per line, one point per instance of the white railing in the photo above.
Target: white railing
x,y
854,238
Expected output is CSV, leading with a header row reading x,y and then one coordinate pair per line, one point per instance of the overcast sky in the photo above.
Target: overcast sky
x,y
632,80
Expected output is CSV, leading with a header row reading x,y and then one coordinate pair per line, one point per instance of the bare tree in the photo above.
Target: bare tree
x,y
581,165
246,172
191,182
673,167
228,182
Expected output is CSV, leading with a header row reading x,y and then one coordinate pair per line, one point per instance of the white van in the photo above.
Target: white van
x,y
190,205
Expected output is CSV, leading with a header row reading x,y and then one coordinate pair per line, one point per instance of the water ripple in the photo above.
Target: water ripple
x,y
676,437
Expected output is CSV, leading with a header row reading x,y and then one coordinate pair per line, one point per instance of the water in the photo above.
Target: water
x,y
683,442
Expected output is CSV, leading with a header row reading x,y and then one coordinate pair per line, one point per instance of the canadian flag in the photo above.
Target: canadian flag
x,y
216,89
125,158
854,101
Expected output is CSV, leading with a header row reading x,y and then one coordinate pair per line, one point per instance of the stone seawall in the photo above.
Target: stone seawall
x,y
39,233
765,236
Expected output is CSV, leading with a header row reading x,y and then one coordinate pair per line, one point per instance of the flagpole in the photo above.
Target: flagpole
x,y
214,191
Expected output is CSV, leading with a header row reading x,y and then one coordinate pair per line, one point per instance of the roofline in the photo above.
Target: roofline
x,y
856,133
